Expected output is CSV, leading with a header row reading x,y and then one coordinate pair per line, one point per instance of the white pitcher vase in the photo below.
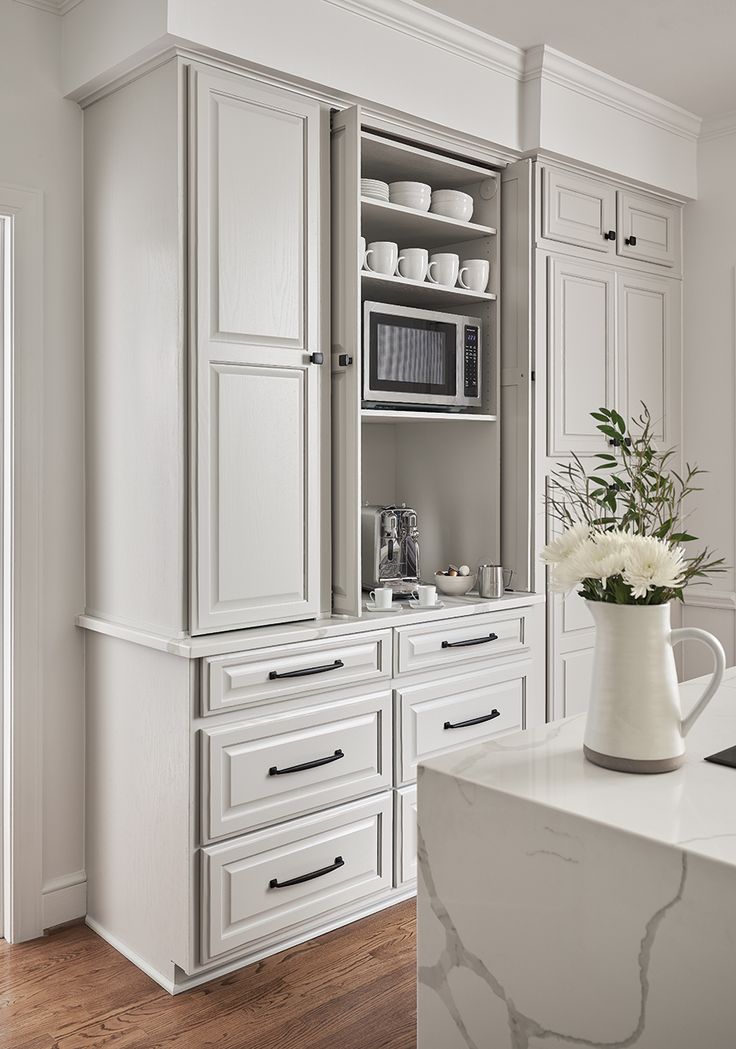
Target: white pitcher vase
x,y
635,723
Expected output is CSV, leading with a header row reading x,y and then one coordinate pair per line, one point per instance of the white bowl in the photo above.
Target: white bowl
x,y
452,204
454,585
417,195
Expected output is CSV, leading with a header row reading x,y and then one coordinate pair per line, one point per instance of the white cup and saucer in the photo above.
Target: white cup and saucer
x,y
425,596
381,600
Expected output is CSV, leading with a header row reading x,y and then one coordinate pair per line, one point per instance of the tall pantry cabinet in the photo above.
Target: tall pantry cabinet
x,y
234,413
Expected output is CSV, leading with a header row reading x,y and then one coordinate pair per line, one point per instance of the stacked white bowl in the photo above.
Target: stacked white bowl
x,y
452,203
373,187
416,195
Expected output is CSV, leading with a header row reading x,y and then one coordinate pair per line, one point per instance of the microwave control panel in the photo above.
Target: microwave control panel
x,y
471,360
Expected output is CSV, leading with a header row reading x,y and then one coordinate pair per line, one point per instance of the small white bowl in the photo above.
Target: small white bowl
x,y
452,204
454,585
417,195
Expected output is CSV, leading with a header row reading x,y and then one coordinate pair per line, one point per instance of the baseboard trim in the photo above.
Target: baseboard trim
x,y
64,900
122,948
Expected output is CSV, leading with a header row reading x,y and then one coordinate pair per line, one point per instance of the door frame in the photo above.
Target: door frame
x,y
22,342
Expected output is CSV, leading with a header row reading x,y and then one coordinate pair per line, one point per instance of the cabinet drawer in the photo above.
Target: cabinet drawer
x,y
333,860
458,641
266,770
578,210
652,225
253,679
405,836
455,712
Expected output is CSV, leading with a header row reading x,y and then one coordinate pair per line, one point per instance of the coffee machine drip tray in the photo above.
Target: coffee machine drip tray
x,y
402,588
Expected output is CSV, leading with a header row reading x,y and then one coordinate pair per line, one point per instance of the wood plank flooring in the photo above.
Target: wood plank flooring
x,y
351,989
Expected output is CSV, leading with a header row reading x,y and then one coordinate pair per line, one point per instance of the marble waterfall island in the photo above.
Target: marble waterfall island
x,y
562,904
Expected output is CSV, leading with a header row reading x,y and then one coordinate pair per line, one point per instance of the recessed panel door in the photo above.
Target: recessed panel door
x,y
578,210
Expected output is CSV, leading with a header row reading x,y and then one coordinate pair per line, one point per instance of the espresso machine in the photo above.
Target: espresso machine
x,y
390,548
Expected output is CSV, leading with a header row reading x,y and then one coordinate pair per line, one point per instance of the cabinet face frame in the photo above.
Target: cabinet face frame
x,y
248,366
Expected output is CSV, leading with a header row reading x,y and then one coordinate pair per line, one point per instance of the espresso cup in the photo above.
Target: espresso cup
x,y
385,257
426,595
413,263
382,596
476,272
361,253
445,265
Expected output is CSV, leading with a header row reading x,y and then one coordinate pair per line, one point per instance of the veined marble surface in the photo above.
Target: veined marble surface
x,y
561,904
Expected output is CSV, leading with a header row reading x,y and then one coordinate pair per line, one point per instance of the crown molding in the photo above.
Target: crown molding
x,y
718,126
431,27
544,63
54,7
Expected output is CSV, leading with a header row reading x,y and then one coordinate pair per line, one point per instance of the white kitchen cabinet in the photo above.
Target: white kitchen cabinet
x,y
256,193
581,361
648,229
578,209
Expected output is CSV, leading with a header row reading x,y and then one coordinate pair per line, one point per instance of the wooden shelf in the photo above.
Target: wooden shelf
x,y
416,229
391,415
416,293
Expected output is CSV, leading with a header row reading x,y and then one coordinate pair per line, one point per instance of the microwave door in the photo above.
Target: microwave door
x,y
410,360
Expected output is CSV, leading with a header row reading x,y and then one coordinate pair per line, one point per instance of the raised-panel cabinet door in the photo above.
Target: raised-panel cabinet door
x,y
648,349
581,326
648,229
256,178
578,210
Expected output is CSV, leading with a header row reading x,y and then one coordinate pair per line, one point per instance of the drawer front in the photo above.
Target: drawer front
x,y
259,772
653,226
456,712
405,836
460,641
578,210
255,679
333,860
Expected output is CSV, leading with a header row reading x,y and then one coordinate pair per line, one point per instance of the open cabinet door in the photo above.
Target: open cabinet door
x,y
346,320
517,416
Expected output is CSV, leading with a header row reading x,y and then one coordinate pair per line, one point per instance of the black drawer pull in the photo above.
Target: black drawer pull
x,y
305,673
276,884
474,721
274,771
473,641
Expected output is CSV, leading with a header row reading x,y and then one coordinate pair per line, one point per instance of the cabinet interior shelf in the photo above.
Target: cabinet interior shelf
x,y
384,415
381,220
415,293
394,161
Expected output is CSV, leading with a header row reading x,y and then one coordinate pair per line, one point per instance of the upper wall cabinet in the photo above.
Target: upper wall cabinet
x,y
648,229
258,338
578,210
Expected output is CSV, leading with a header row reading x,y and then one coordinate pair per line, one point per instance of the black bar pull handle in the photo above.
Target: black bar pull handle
x,y
472,641
307,672
276,884
474,721
275,771
616,442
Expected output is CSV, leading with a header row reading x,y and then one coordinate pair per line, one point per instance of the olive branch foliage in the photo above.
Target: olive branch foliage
x,y
637,490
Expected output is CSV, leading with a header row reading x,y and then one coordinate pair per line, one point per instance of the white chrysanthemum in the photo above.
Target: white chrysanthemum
x,y
561,548
652,563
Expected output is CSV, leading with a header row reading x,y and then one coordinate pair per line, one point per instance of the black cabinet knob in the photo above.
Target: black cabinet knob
x,y
344,360
631,241
610,235
317,358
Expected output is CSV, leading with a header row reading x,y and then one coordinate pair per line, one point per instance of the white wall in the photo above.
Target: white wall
x,y
710,383
40,148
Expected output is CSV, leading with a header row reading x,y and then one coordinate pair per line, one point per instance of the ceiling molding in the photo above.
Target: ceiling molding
x,y
431,27
54,7
718,126
546,64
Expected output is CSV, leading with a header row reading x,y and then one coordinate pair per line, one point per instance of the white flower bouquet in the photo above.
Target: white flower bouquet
x,y
623,538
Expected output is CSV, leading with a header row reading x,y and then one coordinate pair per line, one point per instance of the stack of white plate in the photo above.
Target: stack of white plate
x,y
373,187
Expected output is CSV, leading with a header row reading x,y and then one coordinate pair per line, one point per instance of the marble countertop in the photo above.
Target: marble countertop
x,y
692,808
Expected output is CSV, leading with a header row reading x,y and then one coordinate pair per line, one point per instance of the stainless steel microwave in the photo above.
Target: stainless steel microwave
x,y
420,359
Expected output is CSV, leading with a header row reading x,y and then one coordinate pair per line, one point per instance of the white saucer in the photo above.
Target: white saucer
x,y
370,607
428,608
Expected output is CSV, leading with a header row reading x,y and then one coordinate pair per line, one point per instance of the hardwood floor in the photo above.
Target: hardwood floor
x,y
351,989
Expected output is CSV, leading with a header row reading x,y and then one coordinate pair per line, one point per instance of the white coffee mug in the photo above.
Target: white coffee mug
x,y
477,272
446,265
361,253
385,257
413,263
382,596
426,595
